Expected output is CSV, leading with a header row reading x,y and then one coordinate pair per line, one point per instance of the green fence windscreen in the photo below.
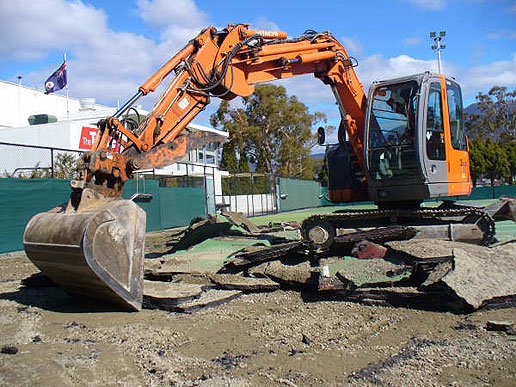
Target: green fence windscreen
x,y
477,193
298,194
20,199
179,205
170,206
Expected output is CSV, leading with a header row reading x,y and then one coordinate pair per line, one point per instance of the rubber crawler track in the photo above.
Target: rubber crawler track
x,y
411,217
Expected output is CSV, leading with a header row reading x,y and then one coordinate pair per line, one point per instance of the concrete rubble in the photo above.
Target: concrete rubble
x,y
214,261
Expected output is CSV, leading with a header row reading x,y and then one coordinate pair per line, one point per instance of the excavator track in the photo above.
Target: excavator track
x,y
326,229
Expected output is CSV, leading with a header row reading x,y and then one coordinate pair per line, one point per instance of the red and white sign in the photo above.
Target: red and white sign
x,y
87,137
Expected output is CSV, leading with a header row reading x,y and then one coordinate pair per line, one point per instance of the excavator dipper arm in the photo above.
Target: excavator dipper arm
x,y
94,245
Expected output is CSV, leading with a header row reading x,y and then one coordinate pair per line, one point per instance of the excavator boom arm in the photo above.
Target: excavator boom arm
x,y
223,64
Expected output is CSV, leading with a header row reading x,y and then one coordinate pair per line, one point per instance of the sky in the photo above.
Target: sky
x,y
112,47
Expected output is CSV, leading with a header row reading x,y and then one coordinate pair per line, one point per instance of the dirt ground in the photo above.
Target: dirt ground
x,y
280,338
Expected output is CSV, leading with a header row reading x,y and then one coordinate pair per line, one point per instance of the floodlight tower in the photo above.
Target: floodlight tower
x,y
438,46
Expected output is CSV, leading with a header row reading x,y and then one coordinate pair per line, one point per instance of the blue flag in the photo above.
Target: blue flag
x,y
57,80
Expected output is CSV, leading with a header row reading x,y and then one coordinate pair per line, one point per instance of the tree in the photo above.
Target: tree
x,y
497,114
321,171
272,130
65,166
228,160
243,162
497,163
478,164
510,151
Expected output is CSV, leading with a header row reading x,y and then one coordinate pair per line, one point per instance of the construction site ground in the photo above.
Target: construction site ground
x,y
284,337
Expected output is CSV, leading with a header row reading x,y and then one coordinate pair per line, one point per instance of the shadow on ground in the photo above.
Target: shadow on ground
x,y
38,291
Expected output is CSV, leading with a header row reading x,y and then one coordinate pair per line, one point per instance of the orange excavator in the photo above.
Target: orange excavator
x,y
401,144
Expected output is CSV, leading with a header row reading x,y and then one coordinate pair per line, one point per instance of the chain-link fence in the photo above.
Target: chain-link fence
x,y
31,161
252,194
182,175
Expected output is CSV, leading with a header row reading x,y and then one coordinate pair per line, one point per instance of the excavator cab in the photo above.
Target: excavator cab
x,y
415,147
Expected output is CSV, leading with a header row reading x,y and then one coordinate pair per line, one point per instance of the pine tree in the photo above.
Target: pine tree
x,y
228,159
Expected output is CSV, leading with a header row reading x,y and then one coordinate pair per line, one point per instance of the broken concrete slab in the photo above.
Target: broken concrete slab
x,y
239,220
201,231
425,249
369,273
183,297
479,277
437,272
207,257
209,298
253,255
504,208
330,283
475,274
246,284
187,278
299,275
157,294
501,326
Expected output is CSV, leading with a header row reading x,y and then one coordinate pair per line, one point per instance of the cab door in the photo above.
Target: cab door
x,y
459,178
443,149
433,144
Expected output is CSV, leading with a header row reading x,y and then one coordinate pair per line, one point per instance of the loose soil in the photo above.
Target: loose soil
x,y
278,338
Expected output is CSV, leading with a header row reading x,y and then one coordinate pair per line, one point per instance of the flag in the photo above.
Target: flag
x,y
57,80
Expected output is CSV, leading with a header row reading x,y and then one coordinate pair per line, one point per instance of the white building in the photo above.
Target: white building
x,y
34,127
31,117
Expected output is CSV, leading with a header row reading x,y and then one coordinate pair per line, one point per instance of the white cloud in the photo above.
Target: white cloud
x,y
318,96
178,20
504,34
110,65
308,89
376,68
433,5
409,42
263,23
472,80
102,63
501,73
28,35
352,46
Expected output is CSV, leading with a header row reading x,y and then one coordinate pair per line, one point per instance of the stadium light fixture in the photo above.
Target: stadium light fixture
x,y
437,46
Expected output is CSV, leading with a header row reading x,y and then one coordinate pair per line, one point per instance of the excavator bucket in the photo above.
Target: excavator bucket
x,y
96,251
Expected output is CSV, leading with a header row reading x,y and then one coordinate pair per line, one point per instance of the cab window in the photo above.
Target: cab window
x,y
392,131
458,137
434,125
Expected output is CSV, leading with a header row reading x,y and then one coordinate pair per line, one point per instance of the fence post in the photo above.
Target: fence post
x,y
52,163
206,190
235,190
252,191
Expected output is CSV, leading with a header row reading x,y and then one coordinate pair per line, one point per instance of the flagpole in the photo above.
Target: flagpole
x,y
67,106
